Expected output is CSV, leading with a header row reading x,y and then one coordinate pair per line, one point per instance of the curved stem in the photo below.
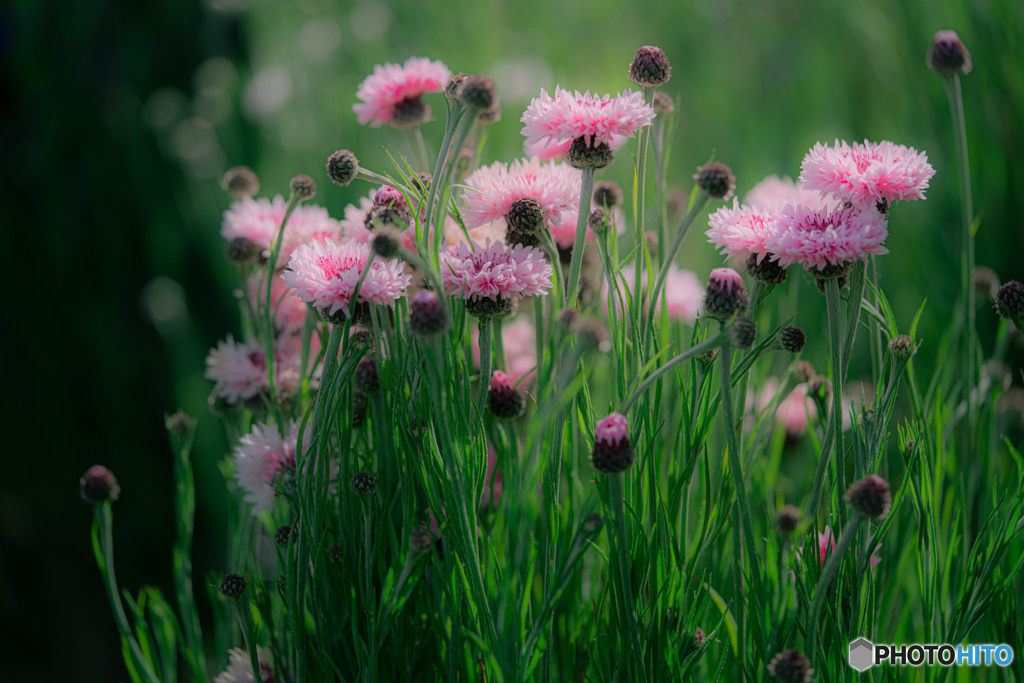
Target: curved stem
x,y
704,346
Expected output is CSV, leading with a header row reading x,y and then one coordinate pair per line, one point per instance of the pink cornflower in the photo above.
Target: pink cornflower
x,y
393,92
793,412
773,193
548,151
569,115
326,275
519,339
741,230
240,667
871,173
819,238
266,460
239,371
493,189
683,292
258,220
290,311
495,275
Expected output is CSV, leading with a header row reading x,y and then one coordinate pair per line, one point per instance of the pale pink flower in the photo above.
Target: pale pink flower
x,y
519,340
264,459
259,220
391,84
326,275
493,189
570,115
816,239
240,667
741,230
240,370
793,412
290,311
611,430
683,292
495,271
773,193
869,173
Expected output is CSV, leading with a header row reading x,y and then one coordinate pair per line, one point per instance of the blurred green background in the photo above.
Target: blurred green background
x,y
119,119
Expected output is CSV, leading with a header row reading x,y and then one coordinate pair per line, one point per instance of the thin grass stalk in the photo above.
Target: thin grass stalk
x,y
485,363
622,559
639,187
580,241
821,590
242,611
268,313
185,514
454,116
418,147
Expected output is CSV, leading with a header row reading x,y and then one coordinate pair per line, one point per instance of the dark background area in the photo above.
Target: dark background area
x,y
118,119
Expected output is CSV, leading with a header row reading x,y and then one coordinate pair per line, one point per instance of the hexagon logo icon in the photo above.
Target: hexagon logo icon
x,y
862,654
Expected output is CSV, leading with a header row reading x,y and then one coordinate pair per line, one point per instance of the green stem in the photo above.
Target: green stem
x,y
580,241
666,263
956,108
185,504
454,115
821,591
268,314
485,363
461,133
836,412
103,547
736,469
640,244
627,600
419,147
248,635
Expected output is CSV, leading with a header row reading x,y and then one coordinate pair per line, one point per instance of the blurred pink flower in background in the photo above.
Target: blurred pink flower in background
x,y
569,115
391,85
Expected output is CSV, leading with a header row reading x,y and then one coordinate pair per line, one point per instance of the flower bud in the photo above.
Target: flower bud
x,y
607,194
478,93
98,485
525,215
384,244
870,497
742,333
409,113
792,339
342,167
819,388
241,182
650,67
791,666
503,399
902,347
787,519
663,104
598,221
303,187
179,423
364,483
725,294
283,536
421,540
803,371
593,523
716,180
485,307
427,316
241,250
367,378
1010,302
232,586
613,453
948,55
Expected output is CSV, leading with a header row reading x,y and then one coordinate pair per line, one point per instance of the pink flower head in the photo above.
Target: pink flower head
x,y
741,230
290,311
773,193
612,430
392,84
569,115
818,238
867,174
264,459
325,275
726,280
493,189
240,667
519,340
499,380
258,220
239,371
794,410
495,271
389,196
